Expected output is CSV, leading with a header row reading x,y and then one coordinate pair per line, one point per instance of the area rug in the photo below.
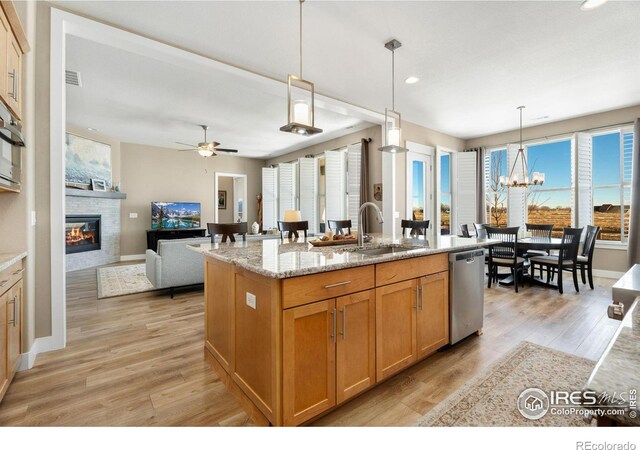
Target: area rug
x,y
490,399
122,280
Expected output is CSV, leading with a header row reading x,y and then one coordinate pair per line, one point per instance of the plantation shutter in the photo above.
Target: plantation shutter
x,y
354,155
581,180
309,192
627,152
269,197
487,182
335,179
286,188
466,189
517,199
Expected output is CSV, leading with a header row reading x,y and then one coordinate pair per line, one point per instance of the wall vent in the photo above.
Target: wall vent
x,y
73,78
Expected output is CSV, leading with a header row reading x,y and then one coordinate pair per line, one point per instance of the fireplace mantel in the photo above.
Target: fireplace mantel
x,y
96,194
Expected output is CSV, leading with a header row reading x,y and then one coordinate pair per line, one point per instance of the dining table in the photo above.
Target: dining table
x,y
534,243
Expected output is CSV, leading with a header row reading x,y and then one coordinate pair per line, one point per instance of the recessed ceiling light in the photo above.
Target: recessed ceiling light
x,y
91,129
412,80
591,4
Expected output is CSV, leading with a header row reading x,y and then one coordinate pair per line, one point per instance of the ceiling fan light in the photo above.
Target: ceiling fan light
x,y
205,152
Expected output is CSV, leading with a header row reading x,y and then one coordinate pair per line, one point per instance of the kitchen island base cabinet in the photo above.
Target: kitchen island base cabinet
x,y
295,348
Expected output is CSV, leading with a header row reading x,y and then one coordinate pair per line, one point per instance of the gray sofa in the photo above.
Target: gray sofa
x,y
174,265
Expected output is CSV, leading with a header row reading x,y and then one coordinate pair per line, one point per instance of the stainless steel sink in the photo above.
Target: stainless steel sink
x,y
377,251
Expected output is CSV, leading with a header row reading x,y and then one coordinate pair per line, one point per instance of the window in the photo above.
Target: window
x,y
496,195
551,203
445,193
611,183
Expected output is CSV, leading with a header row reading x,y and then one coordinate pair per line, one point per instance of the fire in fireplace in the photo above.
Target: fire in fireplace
x,y
82,233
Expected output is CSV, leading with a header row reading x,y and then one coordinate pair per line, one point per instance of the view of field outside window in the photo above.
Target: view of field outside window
x,y
611,184
551,202
496,195
445,194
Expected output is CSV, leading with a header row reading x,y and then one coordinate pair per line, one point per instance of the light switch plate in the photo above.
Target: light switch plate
x,y
251,300
396,214
133,215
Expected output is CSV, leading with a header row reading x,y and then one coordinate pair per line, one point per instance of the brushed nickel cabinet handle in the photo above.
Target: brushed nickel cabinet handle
x,y
13,302
12,74
344,323
329,286
421,297
416,305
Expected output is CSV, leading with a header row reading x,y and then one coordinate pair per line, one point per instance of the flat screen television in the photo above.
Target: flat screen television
x,y
165,215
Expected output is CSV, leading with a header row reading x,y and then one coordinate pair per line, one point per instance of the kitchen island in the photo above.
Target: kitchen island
x,y
295,330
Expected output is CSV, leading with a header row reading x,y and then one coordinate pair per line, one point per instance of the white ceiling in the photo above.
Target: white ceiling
x,y
147,101
477,61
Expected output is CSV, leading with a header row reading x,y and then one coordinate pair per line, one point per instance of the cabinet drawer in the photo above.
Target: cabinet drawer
x,y
406,269
10,276
310,288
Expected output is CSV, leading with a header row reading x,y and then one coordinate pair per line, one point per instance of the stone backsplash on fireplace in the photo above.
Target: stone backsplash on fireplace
x,y
109,211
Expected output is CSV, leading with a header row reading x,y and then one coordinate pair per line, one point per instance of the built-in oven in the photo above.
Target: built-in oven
x,y
10,153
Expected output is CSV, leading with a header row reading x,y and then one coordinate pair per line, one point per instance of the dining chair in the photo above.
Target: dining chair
x,y
227,230
338,226
416,227
481,230
292,228
565,260
505,253
538,231
464,229
585,258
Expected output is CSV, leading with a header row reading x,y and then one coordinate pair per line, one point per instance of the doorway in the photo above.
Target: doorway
x,y
230,197
419,175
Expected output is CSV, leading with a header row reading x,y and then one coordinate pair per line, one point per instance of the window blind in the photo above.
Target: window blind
x,y
308,168
517,198
466,190
581,180
286,188
335,179
269,197
354,156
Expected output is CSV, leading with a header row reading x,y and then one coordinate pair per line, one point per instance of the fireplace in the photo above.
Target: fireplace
x,y
82,233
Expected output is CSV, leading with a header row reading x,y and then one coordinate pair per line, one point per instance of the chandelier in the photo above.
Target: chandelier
x,y
536,179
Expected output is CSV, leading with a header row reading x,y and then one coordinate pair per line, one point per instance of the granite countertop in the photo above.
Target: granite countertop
x,y
284,258
8,259
618,370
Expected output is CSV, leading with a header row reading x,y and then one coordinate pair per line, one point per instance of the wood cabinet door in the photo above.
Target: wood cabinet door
x,y
432,320
395,327
308,361
218,291
356,346
4,372
14,67
5,31
14,328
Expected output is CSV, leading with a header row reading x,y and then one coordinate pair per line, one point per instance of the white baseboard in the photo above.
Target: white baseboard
x,y
132,257
40,345
607,274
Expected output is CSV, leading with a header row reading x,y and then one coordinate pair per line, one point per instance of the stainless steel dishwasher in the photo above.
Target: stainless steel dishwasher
x,y
466,290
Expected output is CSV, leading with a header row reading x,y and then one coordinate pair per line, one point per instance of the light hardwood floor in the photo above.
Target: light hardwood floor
x,y
138,360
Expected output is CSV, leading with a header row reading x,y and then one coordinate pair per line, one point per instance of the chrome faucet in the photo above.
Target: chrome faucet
x,y
360,229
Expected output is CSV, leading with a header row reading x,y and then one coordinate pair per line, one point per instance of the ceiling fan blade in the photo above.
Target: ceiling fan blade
x,y
188,145
228,150
187,149
213,144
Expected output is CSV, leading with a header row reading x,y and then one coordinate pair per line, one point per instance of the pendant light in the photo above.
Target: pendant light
x,y
392,118
537,178
300,99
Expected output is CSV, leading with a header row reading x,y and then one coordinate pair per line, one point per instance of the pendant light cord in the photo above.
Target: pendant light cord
x,y
393,80
301,2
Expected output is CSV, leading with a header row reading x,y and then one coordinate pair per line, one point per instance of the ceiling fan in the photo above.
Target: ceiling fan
x,y
205,148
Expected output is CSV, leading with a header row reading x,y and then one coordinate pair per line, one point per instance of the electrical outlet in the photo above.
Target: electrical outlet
x,y
251,300
133,215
